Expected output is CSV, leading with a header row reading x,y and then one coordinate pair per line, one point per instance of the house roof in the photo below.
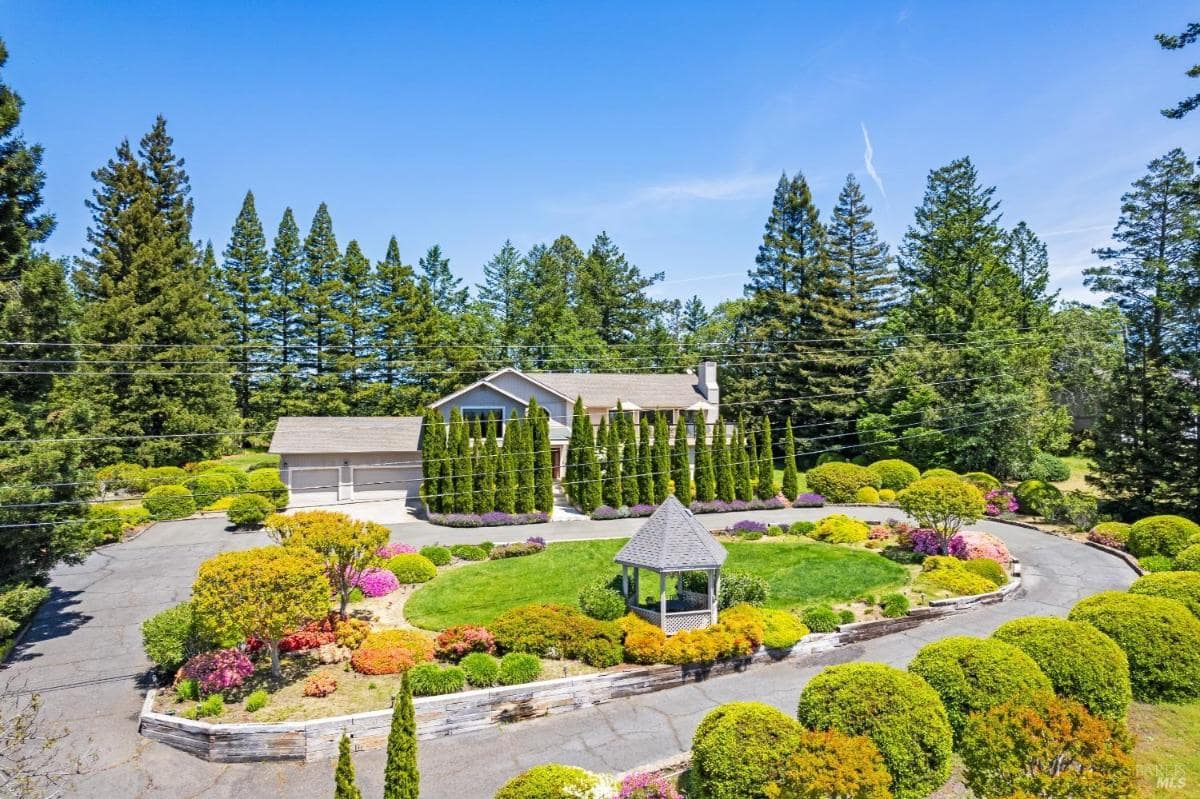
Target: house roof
x,y
672,540
485,384
603,390
300,435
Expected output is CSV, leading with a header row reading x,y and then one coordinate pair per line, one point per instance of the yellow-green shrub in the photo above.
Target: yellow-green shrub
x,y
841,529
739,748
867,495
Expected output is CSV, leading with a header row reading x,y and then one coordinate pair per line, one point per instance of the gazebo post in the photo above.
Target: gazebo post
x,y
662,599
637,585
712,606
625,583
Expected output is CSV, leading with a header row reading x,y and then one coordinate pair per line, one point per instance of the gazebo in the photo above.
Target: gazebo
x,y
673,541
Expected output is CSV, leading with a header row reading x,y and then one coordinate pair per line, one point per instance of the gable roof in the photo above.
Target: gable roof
x,y
672,540
602,390
483,384
300,435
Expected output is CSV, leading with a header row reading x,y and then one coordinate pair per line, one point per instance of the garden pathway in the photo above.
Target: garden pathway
x,y
84,655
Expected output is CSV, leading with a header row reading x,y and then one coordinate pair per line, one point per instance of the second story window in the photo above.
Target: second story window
x,y
653,414
483,414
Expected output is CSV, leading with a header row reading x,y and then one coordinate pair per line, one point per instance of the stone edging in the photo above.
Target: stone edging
x,y
466,711
1130,560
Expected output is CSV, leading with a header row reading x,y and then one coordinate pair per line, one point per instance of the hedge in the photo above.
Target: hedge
x,y
430,679
894,473
1160,637
169,502
19,602
838,482
901,714
518,667
1188,559
1181,586
267,483
548,781
972,675
1160,535
1081,662
740,747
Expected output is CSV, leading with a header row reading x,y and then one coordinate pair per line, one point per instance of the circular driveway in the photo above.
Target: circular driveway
x,y
84,656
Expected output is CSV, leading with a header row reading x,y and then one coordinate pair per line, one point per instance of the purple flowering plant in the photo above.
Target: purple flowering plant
x,y
809,500
392,550
999,501
748,526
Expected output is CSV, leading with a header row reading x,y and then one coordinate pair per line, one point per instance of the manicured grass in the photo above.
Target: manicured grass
x,y
1080,468
247,457
803,481
800,573
1166,754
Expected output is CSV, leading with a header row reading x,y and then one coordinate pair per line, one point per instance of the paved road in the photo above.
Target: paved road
x,y
84,655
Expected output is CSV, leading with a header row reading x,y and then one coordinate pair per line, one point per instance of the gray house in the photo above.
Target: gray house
x,y
325,460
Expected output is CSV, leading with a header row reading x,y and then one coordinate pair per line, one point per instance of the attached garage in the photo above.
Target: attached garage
x,y
386,482
314,486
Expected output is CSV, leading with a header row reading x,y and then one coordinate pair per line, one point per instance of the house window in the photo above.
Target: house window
x,y
614,415
482,414
652,415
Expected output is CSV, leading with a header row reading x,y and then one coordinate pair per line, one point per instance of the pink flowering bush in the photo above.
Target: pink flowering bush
x,y
969,545
999,501
455,643
644,785
377,582
392,550
880,532
218,670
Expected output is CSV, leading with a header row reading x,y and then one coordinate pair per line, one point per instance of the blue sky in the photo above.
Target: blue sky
x,y
665,123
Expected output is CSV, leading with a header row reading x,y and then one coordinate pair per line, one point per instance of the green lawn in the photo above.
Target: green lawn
x,y
800,573
1167,757
247,457
1080,468
803,483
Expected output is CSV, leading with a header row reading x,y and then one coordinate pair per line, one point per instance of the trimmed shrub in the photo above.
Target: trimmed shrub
x,y
775,530
841,529
1156,563
988,569
867,495
1110,533
133,516
894,474
1188,559
974,674
430,679
375,582
438,556
846,616
802,528
160,476
249,510
894,605
169,502
548,781
239,478
169,637
744,621
781,630
827,764
468,552
455,643
838,482
103,524
821,619
211,707
982,480
267,483
519,667
319,685
391,652
644,641
887,495
1045,746
601,601
951,575
8,627
208,487
1048,468
738,587
121,477
739,748
1081,662
381,661
1036,497
257,700
411,569
351,632
517,550
1183,586
480,669
704,646
1161,535
1160,637
945,474
901,714
543,629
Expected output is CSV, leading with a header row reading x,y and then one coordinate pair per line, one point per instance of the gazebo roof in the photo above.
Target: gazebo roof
x,y
672,540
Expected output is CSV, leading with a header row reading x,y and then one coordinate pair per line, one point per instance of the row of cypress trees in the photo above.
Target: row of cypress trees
x,y
465,471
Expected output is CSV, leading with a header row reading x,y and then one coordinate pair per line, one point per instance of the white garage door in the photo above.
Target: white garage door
x,y
314,486
386,482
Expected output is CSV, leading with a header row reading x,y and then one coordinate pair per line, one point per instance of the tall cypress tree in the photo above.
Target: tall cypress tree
x,y
343,775
766,463
479,500
320,329
506,474
590,469
147,300
723,462
525,464
791,478
573,479
433,461
243,279
680,469
646,476
662,458
631,486
401,780
543,461
491,464
706,477
741,457
609,437
282,311
460,463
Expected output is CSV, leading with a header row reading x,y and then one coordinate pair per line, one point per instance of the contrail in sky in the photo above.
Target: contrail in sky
x,y
867,156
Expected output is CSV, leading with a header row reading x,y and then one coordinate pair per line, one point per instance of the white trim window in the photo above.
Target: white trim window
x,y
651,415
482,412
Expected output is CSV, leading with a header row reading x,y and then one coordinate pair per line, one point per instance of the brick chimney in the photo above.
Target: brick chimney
x,y
706,381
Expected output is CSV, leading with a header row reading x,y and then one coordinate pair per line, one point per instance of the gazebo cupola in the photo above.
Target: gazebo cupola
x,y
672,542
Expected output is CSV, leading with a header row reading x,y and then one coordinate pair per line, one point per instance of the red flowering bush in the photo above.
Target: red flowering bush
x,y
313,635
218,670
455,643
320,685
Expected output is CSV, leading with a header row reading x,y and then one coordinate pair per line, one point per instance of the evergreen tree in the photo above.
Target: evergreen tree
x,y
343,776
479,501
543,460
611,296
282,310
680,469
766,464
355,316
661,458
706,477
320,330
433,461
23,223
500,293
723,462
590,495
646,476
401,779
573,481
243,280
525,464
448,296
1026,256
552,335
460,464
491,464
1172,42
791,478
741,462
506,474
401,323
631,486
860,259
610,438
146,299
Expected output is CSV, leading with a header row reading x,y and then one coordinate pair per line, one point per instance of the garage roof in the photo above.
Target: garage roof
x,y
300,435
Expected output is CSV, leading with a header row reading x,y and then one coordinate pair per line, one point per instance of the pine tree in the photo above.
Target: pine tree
x,y
1169,41
500,294
243,278
506,475
791,478
590,495
860,259
433,461
646,476
146,298
680,469
449,297
401,322
282,311
631,486
706,478
722,462
320,330
661,458
343,776
609,437
766,463
23,223
741,458
1027,257
543,460
355,315
611,296
401,779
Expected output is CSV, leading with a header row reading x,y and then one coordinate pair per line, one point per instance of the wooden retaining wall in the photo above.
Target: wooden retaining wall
x,y
474,710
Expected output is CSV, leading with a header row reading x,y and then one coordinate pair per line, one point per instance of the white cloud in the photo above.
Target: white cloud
x,y
868,161
730,187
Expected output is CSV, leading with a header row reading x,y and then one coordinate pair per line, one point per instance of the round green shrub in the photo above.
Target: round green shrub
x,y
1188,559
548,781
1036,497
838,482
988,569
1156,563
103,524
949,474
257,700
169,637
20,601
600,653
240,480
1160,637
1048,468
1117,531
894,473
208,487
982,480
411,568
830,764
841,529
775,530
519,667
249,510
169,502
821,619
601,601
122,477
438,556
1160,535
901,714
133,516
1182,586
887,495
740,747
802,528
972,675
846,616
468,552
267,483
894,605
481,669
430,679
1081,662
737,587
867,495
781,629
161,476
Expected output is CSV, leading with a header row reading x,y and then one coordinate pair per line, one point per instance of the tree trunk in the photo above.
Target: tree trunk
x,y
275,670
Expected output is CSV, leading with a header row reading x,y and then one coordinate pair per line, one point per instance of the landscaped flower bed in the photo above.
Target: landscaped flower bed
x,y
490,519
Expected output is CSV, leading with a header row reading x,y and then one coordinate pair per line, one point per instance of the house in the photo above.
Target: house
x,y
325,460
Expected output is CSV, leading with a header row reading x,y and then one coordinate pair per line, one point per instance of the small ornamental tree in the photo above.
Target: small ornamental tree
x,y
401,780
766,463
681,472
791,477
347,546
662,458
343,775
1041,745
706,479
722,464
263,593
942,504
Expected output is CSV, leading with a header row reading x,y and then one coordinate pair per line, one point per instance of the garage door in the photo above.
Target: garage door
x,y
386,482
314,486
